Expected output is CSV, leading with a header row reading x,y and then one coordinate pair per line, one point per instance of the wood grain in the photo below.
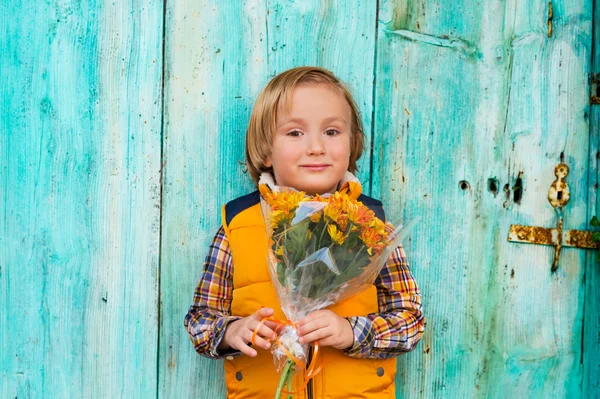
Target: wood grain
x,y
591,325
80,158
111,183
210,87
468,95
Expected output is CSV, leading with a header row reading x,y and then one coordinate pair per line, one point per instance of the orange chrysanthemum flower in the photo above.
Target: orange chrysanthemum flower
x,y
266,193
370,238
283,204
340,200
359,214
286,201
343,222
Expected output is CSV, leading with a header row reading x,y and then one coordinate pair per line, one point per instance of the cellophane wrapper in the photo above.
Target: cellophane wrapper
x,y
322,250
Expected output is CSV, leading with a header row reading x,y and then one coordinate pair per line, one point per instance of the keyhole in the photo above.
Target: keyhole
x,y
559,195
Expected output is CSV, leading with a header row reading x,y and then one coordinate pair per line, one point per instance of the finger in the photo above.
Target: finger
x,y
312,316
315,336
266,332
243,347
258,338
259,341
313,325
271,324
264,312
262,343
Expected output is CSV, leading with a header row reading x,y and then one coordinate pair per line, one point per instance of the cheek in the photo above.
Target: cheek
x,y
284,155
342,151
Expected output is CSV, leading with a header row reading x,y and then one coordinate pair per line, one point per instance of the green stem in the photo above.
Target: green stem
x,y
322,231
287,371
289,384
356,256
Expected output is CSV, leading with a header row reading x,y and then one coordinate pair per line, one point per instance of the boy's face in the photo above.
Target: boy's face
x,y
311,147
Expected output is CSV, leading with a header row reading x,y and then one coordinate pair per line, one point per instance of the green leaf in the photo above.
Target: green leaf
x,y
596,236
281,273
295,241
595,222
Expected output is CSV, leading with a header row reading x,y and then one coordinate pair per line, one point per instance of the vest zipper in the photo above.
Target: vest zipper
x,y
309,386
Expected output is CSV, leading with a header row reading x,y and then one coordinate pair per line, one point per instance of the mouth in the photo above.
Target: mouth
x,y
315,167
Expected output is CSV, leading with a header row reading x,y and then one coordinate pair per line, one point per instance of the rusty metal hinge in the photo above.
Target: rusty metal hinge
x,y
558,196
550,17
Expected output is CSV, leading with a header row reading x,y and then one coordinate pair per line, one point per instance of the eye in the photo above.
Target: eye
x,y
295,133
332,132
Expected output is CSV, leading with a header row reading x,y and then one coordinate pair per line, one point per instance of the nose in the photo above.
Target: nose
x,y
315,145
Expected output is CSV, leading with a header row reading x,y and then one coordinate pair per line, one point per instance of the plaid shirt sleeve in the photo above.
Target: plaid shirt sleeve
x,y
210,313
399,325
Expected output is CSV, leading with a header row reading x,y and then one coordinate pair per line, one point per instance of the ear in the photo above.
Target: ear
x,y
267,162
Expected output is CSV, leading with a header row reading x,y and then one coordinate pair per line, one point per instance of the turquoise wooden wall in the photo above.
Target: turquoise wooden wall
x,y
122,132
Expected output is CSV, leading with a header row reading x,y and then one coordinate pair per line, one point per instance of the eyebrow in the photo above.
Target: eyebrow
x,y
327,120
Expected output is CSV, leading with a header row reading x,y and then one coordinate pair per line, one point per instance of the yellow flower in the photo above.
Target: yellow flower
x,y
279,251
336,235
352,189
333,212
282,200
279,216
339,200
318,198
283,204
266,193
315,217
287,201
377,225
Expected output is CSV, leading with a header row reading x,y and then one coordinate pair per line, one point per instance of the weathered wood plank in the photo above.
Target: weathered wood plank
x,y
465,100
79,171
427,95
537,337
211,85
591,318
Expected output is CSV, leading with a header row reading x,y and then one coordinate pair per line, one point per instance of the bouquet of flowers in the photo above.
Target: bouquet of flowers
x,y
322,250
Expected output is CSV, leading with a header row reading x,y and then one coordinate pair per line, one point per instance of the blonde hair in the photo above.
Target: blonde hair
x,y
263,120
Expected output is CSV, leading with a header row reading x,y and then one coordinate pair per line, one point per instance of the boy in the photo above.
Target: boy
x,y
304,132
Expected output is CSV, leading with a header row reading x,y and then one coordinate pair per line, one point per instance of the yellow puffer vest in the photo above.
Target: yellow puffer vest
x,y
342,376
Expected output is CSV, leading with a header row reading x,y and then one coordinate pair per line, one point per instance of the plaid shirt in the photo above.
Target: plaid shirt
x,y
397,327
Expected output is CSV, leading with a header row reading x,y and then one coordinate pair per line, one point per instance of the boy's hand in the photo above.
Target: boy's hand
x,y
238,334
326,327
